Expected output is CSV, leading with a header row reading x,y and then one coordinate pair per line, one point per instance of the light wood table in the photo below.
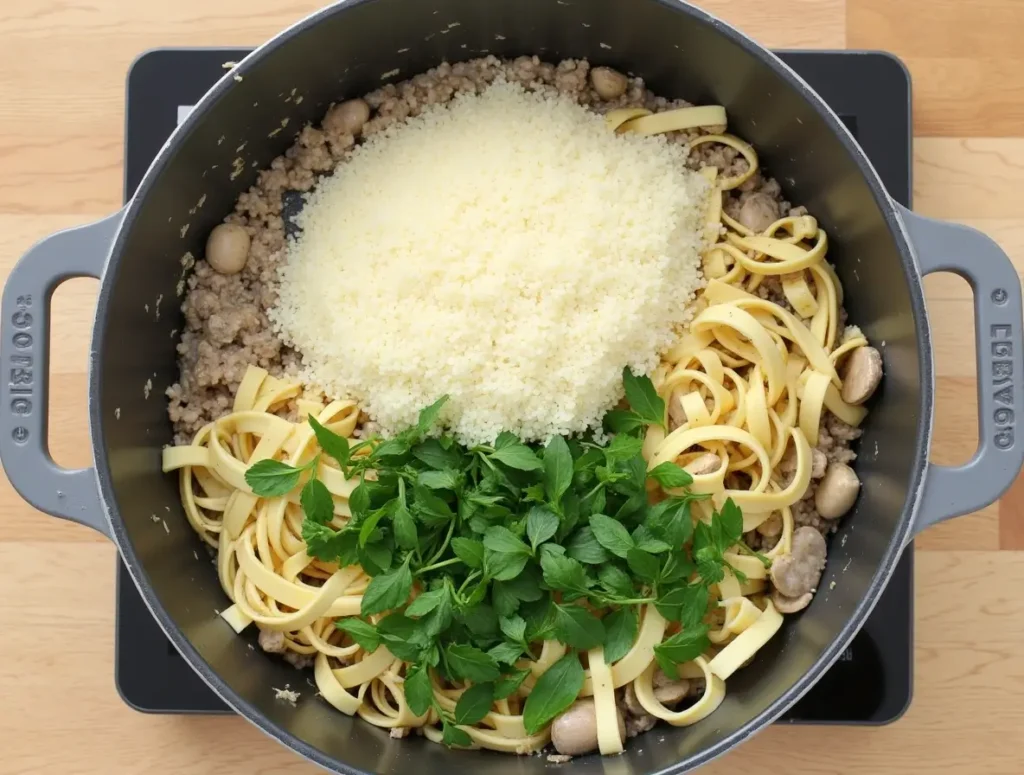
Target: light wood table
x,y
62,68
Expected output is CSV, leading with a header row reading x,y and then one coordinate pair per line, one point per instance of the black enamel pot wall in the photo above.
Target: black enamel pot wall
x,y
343,51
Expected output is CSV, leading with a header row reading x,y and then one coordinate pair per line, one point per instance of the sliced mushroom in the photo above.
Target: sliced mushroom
x,y
862,374
707,463
668,691
758,211
790,605
676,413
347,118
772,526
574,732
637,725
837,491
227,248
798,572
633,706
819,462
609,84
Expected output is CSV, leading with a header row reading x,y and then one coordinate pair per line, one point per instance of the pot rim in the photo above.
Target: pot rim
x,y
854,622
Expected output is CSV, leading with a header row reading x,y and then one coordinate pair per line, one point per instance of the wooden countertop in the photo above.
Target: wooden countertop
x,y
62,69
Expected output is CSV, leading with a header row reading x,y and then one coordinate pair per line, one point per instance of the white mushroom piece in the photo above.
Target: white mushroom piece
x,y
758,211
347,117
609,84
861,374
790,605
707,463
837,491
574,732
667,691
819,462
772,526
227,248
797,573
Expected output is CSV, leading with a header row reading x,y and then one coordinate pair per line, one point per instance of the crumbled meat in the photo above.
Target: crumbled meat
x,y
299,661
399,732
636,725
272,641
559,758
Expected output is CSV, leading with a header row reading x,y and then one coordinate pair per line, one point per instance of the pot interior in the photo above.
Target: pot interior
x,y
347,51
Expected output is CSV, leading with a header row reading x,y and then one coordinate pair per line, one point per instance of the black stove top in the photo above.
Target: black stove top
x,y
870,92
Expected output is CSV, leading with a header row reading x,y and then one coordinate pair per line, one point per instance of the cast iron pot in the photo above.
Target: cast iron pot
x,y
346,50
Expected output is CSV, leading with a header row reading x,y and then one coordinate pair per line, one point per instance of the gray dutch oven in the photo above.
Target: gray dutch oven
x,y
343,51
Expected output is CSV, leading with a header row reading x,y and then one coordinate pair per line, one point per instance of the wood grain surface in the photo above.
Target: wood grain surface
x,y
62,68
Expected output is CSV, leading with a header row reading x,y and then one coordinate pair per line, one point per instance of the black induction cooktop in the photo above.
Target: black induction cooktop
x,y
871,682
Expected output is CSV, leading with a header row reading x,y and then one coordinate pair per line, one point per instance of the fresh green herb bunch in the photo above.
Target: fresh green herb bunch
x,y
477,554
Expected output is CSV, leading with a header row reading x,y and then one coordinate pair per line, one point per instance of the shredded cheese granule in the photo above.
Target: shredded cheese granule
x,y
505,249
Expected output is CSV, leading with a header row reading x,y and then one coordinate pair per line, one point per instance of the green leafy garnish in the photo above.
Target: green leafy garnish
x,y
479,554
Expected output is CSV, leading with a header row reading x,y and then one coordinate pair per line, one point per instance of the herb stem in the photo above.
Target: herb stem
x,y
469,579
444,546
437,565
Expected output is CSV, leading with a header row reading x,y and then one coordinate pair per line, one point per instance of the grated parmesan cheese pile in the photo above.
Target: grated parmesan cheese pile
x,y
505,249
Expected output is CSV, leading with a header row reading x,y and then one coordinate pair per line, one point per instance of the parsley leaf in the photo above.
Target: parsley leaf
x,y
620,633
644,565
404,526
670,476
272,478
558,469
388,590
470,551
518,456
504,541
447,479
583,546
470,663
575,626
506,653
645,540
616,581
509,683
541,524
611,534
330,442
619,421
316,501
429,415
564,573
419,692
684,646
554,691
363,633
686,604
453,736
643,398
474,704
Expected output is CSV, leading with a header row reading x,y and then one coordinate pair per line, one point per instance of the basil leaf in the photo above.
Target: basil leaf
x,y
526,586
620,629
329,545
440,480
508,684
616,581
481,620
404,526
433,455
426,602
330,442
474,704
583,546
554,691
452,735
731,519
369,525
359,501
506,653
513,627
403,637
375,557
558,468
504,566
644,565
575,626
316,502
670,475
684,646
564,573
623,448
363,633
686,605
272,478
541,524
419,692
649,543
387,591
643,398
429,415
611,534
396,447
470,551
504,602
671,521
504,541
470,663
517,456
622,422
430,509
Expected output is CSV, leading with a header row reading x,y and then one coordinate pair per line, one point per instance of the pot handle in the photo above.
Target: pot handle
x,y
25,354
950,491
